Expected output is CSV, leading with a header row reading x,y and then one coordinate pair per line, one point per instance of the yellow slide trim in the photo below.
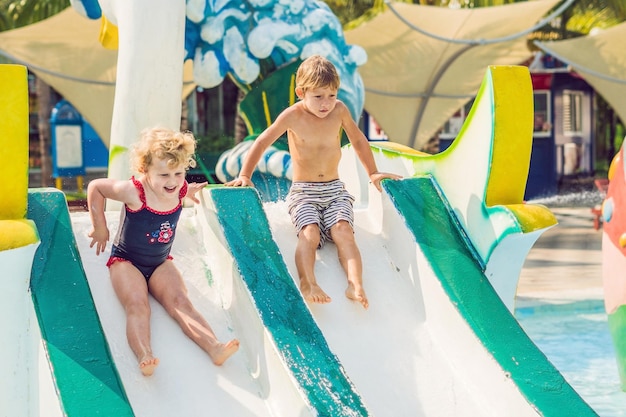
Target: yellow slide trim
x,y
14,141
16,231
532,217
398,147
17,234
513,133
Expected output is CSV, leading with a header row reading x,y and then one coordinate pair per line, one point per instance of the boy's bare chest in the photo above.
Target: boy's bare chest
x,y
313,142
315,132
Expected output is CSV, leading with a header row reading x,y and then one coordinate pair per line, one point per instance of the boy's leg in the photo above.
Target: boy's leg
x,y
350,259
168,288
132,291
308,241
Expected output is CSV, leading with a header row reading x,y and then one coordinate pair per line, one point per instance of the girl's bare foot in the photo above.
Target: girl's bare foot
x,y
357,293
148,364
222,351
313,293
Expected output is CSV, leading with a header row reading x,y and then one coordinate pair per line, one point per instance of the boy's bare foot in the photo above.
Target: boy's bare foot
x,y
357,293
222,351
148,364
313,293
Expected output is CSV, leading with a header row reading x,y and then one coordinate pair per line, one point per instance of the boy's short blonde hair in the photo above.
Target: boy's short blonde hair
x,y
177,148
317,72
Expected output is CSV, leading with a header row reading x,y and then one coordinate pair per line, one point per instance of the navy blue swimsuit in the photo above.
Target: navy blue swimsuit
x,y
145,236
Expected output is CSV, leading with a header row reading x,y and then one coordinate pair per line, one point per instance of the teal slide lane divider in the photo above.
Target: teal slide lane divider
x,y
430,219
85,375
281,307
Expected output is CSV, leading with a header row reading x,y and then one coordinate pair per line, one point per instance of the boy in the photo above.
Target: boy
x,y
319,205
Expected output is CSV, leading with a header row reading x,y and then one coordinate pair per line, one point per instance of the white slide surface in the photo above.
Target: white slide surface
x,y
410,354
186,383
387,350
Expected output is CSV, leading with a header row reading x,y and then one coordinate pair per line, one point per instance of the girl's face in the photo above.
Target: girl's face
x,y
165,181
319,101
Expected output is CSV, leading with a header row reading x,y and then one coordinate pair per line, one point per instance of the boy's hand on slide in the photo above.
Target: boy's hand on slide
x,y
240,181
377,177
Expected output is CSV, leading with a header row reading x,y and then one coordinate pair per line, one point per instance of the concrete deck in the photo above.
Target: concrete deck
x,y
566,261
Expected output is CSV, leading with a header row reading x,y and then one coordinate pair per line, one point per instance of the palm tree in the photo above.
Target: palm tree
x,y
18,13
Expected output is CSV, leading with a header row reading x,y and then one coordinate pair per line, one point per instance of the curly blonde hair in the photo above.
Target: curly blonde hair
x,y
161,143
317,72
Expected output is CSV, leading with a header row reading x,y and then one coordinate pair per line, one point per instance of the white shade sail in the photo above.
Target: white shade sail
x,y
64,51
415,82
600,58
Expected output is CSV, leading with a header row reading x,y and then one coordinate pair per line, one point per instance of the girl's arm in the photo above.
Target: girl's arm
x,y
193,188
97,192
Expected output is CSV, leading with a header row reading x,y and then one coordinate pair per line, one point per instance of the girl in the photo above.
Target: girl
x,y
140,262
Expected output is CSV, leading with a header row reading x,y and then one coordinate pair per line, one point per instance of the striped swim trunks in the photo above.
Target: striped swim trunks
x,y
321,203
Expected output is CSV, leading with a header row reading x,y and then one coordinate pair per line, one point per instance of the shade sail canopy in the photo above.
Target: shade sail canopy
x,y
415,82
600,59
64,51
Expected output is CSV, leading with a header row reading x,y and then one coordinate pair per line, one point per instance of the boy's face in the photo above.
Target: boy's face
x,y
319,101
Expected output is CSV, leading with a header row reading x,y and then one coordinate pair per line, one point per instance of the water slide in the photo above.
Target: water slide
x,y
437,340
441,250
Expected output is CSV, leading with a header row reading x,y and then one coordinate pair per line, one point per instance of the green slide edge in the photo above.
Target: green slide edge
x,y
430,219
85,375
280,306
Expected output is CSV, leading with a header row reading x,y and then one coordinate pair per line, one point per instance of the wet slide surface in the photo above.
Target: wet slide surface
x,y
387,350
445,246
299,342
394,352
387,354
186,383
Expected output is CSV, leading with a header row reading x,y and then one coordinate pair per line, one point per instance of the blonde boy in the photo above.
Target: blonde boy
x,y
319,205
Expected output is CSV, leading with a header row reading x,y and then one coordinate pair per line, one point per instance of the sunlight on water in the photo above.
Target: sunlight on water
x,y
575,337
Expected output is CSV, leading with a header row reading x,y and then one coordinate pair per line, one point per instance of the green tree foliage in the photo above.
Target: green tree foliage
x,y
351,13
586,15
579,19
18,13
349,10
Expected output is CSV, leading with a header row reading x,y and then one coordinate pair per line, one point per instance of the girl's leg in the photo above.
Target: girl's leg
x,y
168,288
308,240
132,291
350,259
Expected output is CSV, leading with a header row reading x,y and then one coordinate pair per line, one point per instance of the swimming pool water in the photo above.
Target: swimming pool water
x,y
575,338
